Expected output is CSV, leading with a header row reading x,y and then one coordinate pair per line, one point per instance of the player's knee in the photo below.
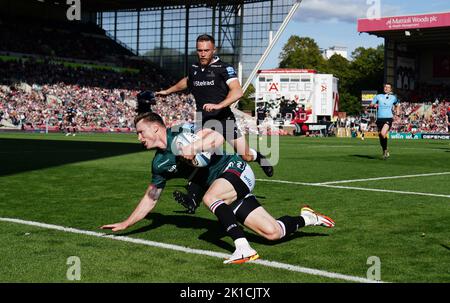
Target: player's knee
x,y
271,232
209,199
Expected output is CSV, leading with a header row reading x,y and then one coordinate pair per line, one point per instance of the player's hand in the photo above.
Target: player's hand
x,y
116,226
187,152
209,107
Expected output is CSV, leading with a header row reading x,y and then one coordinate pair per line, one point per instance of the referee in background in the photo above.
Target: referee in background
x,y
385,105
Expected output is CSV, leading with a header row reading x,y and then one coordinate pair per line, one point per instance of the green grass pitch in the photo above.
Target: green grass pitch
x,y
89,180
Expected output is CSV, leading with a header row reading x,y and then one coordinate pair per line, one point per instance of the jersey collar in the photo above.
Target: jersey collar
x,y
214,60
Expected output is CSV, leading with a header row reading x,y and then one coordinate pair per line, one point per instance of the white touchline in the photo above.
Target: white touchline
x,y
383,178
355,188
184,249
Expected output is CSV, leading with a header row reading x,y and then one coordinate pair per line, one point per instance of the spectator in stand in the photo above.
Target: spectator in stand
x,y
299,120
447,118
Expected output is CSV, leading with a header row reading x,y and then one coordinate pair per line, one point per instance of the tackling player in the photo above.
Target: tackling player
x,y
230,181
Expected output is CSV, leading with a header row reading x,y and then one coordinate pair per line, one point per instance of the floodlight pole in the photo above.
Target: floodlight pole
x,y
272,42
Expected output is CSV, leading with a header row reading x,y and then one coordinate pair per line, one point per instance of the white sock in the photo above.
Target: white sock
x,y
241,243
283,228
253,153
309,219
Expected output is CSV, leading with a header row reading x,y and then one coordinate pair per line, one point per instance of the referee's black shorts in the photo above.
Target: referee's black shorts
x,y
225,126
382,121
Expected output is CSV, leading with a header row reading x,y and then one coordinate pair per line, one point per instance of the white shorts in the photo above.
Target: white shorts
x,y
241,176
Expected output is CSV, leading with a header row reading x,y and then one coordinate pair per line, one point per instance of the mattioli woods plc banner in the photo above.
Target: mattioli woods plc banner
x,y
404,22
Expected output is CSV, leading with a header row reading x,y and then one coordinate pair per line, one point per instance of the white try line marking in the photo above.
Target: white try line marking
x,y
329,185
383,178
295,268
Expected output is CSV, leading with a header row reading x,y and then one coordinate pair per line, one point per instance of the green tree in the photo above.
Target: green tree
x,y
301,52
368,66
341,68
247,102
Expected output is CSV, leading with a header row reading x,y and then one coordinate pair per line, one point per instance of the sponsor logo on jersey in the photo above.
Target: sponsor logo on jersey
x,y
204,83
173,169
248,181
231,71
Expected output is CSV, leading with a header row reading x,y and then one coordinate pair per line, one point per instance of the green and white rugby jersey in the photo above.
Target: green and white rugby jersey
x,y
166,165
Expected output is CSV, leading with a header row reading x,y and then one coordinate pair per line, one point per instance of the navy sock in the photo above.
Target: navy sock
x,y
227,218
290,224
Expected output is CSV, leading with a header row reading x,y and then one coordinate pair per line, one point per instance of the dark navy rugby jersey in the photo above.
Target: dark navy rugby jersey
x,y
210,85
261,113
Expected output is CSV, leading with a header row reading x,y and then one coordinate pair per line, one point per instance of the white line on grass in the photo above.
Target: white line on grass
x,y
387,191
355,188
305,270
383,178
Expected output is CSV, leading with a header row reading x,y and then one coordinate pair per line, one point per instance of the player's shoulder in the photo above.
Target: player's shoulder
x,y
219,64
160,162
194,67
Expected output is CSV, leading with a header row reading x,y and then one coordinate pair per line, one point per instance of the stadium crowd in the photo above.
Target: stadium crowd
x,y
33,95
59,39
422,117
36,94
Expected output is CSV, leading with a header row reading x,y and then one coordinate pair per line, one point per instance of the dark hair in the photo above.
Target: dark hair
x,y
206,37
149,117
390,84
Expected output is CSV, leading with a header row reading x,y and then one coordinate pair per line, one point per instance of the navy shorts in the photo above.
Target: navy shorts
x,y
382,121
226,127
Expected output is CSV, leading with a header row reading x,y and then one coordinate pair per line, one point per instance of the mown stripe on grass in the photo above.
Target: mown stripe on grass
x,y
273,264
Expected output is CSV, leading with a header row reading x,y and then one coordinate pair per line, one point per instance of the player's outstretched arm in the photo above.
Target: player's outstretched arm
x,y
181,85
144,207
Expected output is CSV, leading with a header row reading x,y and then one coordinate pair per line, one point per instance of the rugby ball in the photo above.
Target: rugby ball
x,y
185,138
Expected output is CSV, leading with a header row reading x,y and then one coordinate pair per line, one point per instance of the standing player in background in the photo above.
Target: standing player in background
x,y
261,114
364,124
385,103
71,126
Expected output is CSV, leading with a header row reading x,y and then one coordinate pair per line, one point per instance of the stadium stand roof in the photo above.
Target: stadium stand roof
x,y
423,29
107,5
415,48
245,30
